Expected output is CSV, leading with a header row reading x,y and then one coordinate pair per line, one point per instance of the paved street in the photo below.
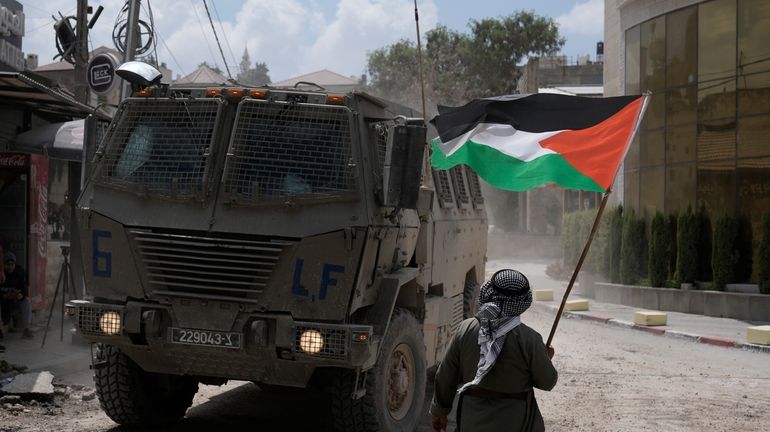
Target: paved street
x,y
611,379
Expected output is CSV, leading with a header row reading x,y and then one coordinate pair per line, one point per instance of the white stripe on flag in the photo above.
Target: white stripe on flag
x,y
524,146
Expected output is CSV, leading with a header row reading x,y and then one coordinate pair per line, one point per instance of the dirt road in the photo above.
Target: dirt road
x,y
611,379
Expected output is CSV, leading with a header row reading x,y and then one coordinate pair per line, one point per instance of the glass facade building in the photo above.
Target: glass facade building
x,y
705,139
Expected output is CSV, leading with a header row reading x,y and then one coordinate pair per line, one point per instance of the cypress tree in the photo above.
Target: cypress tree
x,y
671,222
745,248
657,268
724,255
764,256
704,241
687,248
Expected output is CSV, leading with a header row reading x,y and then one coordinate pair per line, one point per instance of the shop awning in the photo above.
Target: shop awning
x,y
57,140
63,138
28,91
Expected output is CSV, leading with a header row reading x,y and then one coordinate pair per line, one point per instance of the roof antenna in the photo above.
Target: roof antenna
x,y
419,54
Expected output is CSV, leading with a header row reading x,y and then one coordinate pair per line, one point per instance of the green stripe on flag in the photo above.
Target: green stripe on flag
x,y
505,172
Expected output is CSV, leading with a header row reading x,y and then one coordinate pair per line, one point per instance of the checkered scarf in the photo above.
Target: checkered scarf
x,y
503,299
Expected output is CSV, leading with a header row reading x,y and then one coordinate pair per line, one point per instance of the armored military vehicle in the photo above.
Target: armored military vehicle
x,y
286,237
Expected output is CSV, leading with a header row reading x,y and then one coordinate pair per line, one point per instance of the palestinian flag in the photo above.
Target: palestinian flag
x,y
523,141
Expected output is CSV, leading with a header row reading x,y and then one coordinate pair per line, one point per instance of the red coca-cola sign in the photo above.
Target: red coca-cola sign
x,y
13,160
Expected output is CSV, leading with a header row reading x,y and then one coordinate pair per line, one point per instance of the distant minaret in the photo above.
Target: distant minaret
x,y
245,61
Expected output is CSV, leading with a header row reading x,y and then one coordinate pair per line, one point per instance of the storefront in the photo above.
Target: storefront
x,y
39,153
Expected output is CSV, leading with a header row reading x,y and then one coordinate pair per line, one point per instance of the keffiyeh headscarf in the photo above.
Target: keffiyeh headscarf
x,y
503,298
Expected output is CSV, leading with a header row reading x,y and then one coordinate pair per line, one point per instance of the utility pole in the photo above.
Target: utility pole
x,y
132,40
74,169
81,53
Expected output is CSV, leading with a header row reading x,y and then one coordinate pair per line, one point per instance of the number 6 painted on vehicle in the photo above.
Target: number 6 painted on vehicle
x,y
101,256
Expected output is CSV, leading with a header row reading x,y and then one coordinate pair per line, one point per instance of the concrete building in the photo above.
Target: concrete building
x,y
704,139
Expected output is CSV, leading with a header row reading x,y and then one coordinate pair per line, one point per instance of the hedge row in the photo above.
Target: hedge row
x,y
622,253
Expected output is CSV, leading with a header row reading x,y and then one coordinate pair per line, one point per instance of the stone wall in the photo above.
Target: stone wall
x,y
742,306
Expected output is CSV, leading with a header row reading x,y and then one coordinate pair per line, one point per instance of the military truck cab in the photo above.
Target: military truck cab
x,y
281,236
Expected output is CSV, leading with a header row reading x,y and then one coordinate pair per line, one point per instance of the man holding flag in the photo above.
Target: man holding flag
x,y
518,143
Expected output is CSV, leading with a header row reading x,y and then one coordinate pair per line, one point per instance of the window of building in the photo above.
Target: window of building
x,y
631,189
632,60
716,186
754,140
654,117
681,41
651,148
680,187
716,59
653,55
632,157
680,144
716,140
680,104
651,182
753,56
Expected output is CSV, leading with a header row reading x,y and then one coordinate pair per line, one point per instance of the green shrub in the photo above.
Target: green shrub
x,y
614,242
657,268
576,227
704,244
632,249
745,247
764,256
671,221
687,248
724,255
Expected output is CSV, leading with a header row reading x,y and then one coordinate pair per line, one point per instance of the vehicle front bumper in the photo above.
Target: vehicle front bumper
x,y
270,349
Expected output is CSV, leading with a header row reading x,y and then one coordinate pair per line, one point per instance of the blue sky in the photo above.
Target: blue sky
x,y
298,36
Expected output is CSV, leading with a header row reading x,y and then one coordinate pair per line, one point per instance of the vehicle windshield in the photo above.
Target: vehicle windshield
x,y
282,150
161,147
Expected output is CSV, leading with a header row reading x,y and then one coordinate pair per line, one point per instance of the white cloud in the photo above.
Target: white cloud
x,y
291,36
585,18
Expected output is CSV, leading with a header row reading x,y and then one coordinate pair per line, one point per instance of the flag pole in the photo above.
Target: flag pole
x,y
579,265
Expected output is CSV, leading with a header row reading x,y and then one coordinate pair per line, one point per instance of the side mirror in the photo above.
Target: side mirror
x,y
403,165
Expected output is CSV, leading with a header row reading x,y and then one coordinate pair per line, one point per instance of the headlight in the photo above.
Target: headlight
x,y
311,341
109,323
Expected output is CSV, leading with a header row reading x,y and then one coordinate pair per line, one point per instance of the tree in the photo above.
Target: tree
x,y
463,66
258,75
686,247
657,269
764,255
724,253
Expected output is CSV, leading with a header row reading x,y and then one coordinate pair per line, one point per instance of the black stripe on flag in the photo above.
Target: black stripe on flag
x,y
542,112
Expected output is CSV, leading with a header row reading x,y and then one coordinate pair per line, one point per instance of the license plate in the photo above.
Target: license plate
x,y
205,338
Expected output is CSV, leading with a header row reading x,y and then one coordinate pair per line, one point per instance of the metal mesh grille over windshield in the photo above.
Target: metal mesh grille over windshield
x,y
282,150
160,146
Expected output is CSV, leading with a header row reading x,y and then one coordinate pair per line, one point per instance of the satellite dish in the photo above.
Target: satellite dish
x,y
65,38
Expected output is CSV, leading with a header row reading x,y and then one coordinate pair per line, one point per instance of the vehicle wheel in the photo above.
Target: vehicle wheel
x,y
135,398
395,387
470,299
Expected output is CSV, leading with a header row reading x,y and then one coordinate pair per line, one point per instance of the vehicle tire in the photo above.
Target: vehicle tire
x,y
470,299
135,398
395,387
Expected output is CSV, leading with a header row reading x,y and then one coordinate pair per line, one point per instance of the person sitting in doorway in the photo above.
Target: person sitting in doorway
x,y
14,300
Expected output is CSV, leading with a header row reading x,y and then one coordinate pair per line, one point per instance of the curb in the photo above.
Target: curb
x,y
675,334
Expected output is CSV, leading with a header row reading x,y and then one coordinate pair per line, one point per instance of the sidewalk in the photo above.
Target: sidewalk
x,y
724,332
68,362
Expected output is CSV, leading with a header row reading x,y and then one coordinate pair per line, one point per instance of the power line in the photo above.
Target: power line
x,y
217,39
203,31
224,33
163,41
